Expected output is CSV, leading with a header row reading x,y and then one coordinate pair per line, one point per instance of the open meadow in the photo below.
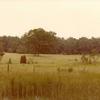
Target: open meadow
x,y
47,63
49,49
49,77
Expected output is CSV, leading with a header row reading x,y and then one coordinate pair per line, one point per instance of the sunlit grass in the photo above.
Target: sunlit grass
x,y
49,78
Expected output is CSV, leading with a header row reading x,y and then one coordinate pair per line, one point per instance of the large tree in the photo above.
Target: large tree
x,y
40,41
71,45
1,46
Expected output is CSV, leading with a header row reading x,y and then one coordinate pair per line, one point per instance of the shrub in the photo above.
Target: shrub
x,y
30,61
85,59
88,59
1,53
23,59
70,70
61,69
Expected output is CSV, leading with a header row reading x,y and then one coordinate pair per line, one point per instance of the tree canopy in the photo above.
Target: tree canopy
x,y
46,42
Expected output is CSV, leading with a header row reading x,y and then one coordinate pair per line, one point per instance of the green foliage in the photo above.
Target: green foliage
x,y
39,41
10,43
84,59
30,61
89,59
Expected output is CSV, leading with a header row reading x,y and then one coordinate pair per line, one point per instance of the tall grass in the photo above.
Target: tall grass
x,y
50,77
49,86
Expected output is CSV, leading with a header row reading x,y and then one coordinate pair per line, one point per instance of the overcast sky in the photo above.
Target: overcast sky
x,y
68,18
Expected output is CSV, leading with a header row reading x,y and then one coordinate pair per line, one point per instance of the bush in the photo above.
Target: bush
x,y
1,53
85,59
70,70
23,59
88,59
30,61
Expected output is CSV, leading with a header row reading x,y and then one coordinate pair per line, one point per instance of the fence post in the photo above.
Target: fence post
x,y
8,69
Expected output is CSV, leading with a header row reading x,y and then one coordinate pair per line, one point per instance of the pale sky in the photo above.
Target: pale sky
x,y
68,18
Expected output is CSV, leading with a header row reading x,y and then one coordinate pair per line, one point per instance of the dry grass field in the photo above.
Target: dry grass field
x,y
49,77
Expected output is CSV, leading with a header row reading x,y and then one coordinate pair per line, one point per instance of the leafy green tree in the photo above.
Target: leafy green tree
x,y
40,41
71,45
84,45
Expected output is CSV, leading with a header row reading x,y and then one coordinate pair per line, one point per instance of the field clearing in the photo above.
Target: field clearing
x,y
47,63
49,78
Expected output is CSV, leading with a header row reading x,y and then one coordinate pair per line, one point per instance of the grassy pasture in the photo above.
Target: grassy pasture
x,y
43,81
47,63
42,63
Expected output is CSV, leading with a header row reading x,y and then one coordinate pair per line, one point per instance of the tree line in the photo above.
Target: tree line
x,y
40,41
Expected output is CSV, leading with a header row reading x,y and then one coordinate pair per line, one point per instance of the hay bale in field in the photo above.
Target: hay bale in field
x,y
23,60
